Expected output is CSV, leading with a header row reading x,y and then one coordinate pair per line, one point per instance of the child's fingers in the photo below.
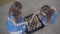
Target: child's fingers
x,y
26,23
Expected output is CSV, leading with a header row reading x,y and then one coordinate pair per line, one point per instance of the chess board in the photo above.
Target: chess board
x,y
35,25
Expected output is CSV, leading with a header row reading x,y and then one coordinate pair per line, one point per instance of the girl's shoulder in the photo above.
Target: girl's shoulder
x,y
11,15
21,18
55,11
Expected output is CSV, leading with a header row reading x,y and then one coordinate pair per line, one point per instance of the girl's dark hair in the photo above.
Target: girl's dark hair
x,y
16,9
48,11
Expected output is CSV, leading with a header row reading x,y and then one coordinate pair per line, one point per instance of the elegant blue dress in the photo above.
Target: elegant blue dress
x,y
52,21
11,28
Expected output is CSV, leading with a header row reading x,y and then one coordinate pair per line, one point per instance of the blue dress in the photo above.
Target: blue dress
x,y
11,28
52,21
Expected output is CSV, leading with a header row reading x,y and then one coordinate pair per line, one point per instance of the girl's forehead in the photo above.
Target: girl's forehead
x,y
46,11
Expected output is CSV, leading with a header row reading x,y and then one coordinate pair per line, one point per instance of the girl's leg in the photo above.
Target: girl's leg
x,y
23,29
19,32
14,32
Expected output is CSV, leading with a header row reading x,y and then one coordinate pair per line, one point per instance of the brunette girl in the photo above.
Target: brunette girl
x,y
47,14
15,23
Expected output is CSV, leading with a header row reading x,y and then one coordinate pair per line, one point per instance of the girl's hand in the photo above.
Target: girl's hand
x,y
26,23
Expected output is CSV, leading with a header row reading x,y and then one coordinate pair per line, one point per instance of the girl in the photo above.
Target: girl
x,y
15,23
47,14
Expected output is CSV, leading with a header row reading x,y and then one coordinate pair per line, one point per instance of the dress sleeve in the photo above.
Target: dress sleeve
x,y
22,19
53,17
11,15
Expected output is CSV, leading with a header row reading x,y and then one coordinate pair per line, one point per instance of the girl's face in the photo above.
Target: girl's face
x,y
42,13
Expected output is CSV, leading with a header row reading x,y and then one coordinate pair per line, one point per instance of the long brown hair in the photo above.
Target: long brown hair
x,y
48,11
16,10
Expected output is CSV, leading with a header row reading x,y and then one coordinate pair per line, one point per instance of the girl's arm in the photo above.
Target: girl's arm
x,y
53,16
14,23
34,16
